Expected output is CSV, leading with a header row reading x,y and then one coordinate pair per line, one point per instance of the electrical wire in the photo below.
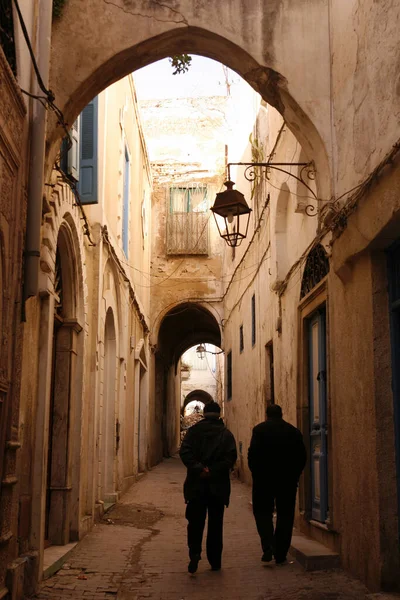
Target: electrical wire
x,y
48,94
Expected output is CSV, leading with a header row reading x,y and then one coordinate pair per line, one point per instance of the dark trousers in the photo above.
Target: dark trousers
x,y
283,498
196,512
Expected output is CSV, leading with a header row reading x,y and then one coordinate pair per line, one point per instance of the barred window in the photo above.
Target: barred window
x,y
317,267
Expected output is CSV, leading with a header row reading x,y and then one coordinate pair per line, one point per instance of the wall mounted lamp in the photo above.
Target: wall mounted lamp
x,y
231,204
201,351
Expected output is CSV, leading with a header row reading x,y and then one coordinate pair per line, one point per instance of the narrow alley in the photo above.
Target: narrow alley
x,y
199,218
139,551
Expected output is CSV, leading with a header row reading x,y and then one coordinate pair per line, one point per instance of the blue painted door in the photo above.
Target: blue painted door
x,y
317,373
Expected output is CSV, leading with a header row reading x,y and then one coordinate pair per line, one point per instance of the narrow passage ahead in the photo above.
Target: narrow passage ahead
x,y
139,552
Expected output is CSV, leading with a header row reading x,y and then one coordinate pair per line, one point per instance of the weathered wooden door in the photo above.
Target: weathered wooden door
x,y
318,414
394,308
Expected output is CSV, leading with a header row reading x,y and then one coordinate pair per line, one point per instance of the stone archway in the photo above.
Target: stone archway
x,y
257,40
200,395
183,326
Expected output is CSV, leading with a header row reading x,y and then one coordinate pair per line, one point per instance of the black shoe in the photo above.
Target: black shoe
x,y
194,561
281,562
215,567
267,556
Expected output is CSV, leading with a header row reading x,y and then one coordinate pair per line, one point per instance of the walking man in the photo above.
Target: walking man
x,y
209,453
276,457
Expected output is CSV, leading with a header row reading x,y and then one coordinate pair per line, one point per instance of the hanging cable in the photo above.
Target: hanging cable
x,y
49,96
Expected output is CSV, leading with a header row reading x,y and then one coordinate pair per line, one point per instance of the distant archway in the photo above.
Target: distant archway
x,y
200,395
185,325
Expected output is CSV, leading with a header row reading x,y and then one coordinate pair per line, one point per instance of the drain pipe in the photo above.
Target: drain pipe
x,y
37,155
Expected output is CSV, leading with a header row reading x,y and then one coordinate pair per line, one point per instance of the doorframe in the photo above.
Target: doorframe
x,y
314,300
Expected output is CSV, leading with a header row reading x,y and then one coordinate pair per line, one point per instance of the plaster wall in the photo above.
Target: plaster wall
x,y
167,126
14,145
364,86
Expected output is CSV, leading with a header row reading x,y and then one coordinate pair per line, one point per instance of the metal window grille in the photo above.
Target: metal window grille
x,y
187,223
317,267
7,40
229,375
253,320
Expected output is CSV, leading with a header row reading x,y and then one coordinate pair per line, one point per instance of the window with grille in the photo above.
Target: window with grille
x,y
187,223
317,267
7,39
229,375
241,339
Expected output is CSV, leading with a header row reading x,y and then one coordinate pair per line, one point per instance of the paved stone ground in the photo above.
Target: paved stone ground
x,y
138,552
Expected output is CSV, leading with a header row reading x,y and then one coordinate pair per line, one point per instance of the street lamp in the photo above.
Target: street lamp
x,y
201,351
233,208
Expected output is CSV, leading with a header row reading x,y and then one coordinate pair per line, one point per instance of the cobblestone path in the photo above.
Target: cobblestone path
x,y
138,552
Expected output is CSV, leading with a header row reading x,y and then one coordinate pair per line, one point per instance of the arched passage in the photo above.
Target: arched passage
x,y
197,395
184,326
132,39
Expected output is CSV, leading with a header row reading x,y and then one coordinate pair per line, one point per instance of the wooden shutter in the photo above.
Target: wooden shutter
x,y
88,153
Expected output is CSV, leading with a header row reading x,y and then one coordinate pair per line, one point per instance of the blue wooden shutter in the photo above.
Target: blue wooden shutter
x,y
87,186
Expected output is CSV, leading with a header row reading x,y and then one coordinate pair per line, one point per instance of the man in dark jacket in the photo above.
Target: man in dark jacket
x,y
276,457
209,453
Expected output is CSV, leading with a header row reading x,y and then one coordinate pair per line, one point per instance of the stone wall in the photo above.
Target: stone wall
x,y
13,147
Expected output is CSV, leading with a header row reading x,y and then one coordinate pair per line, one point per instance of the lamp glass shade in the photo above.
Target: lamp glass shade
x,y
201,351
235,212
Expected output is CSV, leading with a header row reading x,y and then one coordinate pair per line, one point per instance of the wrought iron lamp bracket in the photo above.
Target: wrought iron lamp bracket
x,y
307,172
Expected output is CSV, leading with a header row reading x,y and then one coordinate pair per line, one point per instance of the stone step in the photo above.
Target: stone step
x,y
312,555
54,557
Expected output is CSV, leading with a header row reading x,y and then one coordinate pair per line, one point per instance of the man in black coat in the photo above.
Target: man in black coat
x,y
276,457
209,453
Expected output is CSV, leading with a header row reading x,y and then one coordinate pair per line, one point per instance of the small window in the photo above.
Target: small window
x,y
125,206
253,320
241,342
229,375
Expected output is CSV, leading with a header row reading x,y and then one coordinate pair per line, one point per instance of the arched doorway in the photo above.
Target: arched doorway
x,y
62,481
107,433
